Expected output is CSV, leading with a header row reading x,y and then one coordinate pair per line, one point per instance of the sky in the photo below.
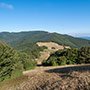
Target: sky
x,y
62,16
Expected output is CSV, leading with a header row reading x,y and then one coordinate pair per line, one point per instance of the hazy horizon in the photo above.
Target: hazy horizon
x,y
71,34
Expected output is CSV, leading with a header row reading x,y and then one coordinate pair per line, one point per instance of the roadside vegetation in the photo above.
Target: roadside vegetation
x,y
68,57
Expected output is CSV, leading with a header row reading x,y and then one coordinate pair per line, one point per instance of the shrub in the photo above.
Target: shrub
x,y
53,63
53,48
62,60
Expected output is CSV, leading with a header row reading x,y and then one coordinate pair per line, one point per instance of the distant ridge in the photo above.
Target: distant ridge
x,y
24,40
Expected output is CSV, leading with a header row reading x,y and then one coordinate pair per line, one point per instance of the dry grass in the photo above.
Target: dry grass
x,y
46,53
56,78
14,82
50,45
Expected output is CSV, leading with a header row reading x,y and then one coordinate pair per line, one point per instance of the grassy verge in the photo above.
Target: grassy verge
x,y
13,82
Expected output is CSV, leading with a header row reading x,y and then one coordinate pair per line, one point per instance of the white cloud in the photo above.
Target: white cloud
x,y
80,34
4,5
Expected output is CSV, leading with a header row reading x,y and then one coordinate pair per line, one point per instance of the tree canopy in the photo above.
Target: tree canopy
x,y
69,56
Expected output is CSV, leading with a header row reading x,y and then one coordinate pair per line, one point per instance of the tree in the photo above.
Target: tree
x,y
13,63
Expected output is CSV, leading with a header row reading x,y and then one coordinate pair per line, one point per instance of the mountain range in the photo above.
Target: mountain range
x,y
25,41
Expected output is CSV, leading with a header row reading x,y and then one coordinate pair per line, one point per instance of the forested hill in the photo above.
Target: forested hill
x,y
25,38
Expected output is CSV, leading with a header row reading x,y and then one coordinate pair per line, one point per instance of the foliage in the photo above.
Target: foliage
x,y
84,55
12,63
61,60
53,48
69,56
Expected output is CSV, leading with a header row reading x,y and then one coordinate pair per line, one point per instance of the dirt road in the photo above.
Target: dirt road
x,y
70,77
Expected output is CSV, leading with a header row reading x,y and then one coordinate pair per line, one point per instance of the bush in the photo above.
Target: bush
x,y
62,60
53,63
53,48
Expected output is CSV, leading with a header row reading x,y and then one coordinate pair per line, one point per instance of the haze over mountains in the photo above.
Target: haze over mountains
x,y
84,37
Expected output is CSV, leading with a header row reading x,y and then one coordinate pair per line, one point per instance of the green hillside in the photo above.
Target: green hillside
x,y
13,63
26,41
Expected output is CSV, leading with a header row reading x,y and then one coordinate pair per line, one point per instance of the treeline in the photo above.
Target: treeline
x,y
69,56
13,63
